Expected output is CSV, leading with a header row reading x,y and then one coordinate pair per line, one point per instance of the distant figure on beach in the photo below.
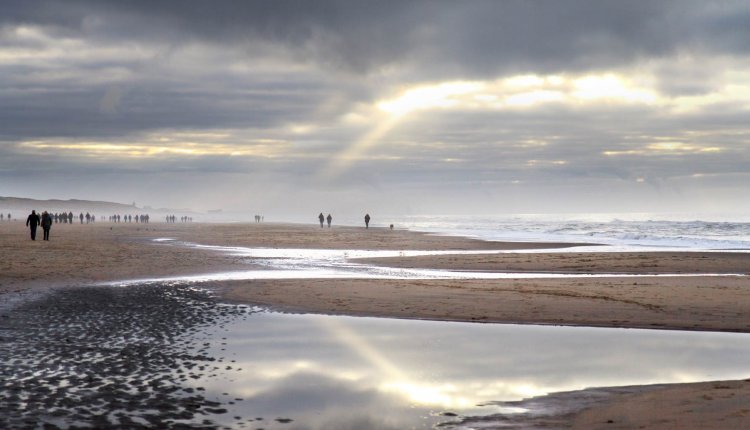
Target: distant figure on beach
x,y
8,216
46,224
33,221
81,217
367,220
88,217
70,217
391,226
321,218
329,218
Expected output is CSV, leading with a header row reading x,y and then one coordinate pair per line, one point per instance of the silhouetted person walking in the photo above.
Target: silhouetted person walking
x,y
329,218
46,224
367,220
33,221
321,218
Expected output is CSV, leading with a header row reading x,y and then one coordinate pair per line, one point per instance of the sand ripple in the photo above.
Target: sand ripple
x,y
107,357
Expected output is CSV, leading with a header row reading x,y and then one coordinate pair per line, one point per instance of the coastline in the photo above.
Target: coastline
x,y
93,254
699,405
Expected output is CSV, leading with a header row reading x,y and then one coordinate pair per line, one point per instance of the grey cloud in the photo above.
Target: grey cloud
x,y
102,110
429,39
327,56
479,37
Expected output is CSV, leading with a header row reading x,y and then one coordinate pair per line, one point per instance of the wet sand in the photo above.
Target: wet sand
x,y
86,254
633,263
81,254
705,303
703,405
99,357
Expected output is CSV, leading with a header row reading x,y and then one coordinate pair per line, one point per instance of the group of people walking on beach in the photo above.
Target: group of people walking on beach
x,y
129,218
329,218
46,219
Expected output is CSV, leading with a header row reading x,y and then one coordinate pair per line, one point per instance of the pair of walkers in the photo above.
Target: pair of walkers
x,y
321,218
34,220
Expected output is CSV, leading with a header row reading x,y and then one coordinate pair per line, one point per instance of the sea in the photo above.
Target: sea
x,y
620,231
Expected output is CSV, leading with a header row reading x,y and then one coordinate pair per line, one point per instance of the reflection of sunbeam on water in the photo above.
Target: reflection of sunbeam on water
x,y
323,369
396,378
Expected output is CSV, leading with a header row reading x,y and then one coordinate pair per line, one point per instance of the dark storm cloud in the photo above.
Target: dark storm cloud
x,y
427,39
91,112
478,37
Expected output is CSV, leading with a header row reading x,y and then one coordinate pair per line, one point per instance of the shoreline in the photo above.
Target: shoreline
x,y
94,254
102,253
692,405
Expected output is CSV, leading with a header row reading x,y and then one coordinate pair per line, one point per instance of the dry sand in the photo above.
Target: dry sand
x,y
84,254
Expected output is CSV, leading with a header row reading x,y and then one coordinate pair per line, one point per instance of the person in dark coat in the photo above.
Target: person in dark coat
x,y
321,218
46,224
367,220
329,218
33,221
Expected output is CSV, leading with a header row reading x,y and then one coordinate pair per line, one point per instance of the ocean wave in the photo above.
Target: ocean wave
x,y
691,234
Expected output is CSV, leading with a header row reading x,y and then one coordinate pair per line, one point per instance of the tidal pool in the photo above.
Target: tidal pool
x,y
337,372
293,263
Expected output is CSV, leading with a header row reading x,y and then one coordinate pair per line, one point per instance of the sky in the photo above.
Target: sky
x,y
397,107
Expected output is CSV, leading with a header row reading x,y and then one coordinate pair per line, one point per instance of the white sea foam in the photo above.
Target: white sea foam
x,y
621,231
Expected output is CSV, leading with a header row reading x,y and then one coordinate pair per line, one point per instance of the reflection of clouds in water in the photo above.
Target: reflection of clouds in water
x,y
321,401
395,379
304,366
302,389
336,264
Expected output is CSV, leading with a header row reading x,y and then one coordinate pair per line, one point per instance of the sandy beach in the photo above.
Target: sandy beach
x,y
88,254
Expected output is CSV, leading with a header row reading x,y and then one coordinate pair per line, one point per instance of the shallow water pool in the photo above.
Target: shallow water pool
x,y
329,372
165,355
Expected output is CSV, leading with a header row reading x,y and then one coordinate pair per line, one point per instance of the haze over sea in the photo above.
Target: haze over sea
x,y
630,231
